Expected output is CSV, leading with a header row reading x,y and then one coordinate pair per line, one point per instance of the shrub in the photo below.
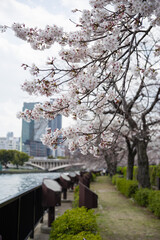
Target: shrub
x,y
131,188
75,203
124,171
127,187
158,171
135,173
74,221
120,183
141,196
114,178
154,202
153,173
120,170
93,177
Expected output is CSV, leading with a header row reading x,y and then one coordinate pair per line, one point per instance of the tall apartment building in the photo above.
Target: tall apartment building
x,y
32,132
10,142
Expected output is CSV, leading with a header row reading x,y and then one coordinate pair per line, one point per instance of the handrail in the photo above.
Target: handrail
x,y
20,214
17,195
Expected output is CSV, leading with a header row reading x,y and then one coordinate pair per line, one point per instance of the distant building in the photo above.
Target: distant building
x,y
32,132
10,142
10,135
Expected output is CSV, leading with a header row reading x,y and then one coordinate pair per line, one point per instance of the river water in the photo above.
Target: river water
x,y
13,184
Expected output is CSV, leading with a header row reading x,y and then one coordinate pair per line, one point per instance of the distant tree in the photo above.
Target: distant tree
x,y
5,157
50,157
19,158
13,156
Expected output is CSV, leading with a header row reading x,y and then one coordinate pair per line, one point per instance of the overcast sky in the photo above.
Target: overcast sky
x,y
14,52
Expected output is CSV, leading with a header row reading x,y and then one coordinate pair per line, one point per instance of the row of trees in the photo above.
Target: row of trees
x,y
13,156
106,77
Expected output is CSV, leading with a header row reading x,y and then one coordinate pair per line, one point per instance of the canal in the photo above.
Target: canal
x,y
13,184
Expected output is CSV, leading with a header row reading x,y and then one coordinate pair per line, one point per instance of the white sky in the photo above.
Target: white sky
x,y
14,52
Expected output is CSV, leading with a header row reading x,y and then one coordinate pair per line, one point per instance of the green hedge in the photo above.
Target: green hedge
x,y
149,198
127,187
74,222
75,203
142,196
154,171
154,202
120,170
114,178
124,171
93,177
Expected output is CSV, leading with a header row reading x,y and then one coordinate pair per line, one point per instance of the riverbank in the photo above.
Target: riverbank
x,y
120,218
20,171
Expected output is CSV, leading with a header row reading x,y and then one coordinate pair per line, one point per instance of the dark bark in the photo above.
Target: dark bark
x,y
143,164
130,164
111,164
131,156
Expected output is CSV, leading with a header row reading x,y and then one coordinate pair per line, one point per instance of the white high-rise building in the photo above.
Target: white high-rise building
x,y
10,142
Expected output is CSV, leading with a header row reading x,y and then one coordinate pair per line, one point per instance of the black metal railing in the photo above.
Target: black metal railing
x,y
20,215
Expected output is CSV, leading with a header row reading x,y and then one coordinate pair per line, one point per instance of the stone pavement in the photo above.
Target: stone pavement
x,y
42,230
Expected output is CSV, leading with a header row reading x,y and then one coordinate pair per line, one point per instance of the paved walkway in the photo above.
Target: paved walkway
x,y
42,230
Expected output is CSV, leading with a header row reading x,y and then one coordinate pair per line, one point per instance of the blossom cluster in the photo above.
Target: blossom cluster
x,y
96,21
149,73
81,137
42,87
38,38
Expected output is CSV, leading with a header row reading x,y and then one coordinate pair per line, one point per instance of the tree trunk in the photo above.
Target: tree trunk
x,y
131,155
112,167
130,165
143,164
111,164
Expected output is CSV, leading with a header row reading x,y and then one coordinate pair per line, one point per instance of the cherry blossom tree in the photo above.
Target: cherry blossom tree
x,y
104,68
153,146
